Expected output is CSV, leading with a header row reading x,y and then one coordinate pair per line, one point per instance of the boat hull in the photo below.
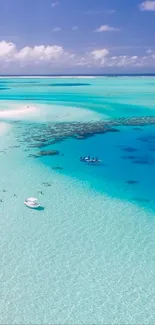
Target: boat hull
x,y
35,207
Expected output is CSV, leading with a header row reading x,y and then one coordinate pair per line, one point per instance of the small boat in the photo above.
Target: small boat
x,y
90,160
32,203
84,159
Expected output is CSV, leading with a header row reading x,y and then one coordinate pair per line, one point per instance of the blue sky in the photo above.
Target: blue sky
x,y
50,36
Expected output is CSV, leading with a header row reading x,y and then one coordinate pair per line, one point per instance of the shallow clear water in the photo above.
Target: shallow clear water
x,y
88,257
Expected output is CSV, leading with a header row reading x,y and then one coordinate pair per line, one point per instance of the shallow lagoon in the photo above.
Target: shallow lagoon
x,y
88,257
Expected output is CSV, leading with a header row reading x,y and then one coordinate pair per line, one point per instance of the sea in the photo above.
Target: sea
x,y
87,256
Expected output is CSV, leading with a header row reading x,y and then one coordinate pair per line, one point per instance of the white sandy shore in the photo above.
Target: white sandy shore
x,y
50,113
4,127
48,77
17,112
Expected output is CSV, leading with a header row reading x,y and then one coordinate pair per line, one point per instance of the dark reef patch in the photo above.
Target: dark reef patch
x,y
149,139
15,146
4,88
68,84
131,182
48,153
57,168
45,153
129,157
129,149
137,129
142,162
47,184
42,135
79,137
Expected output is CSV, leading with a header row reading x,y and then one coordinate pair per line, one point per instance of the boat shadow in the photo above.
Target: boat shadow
x,y
95,164
41,208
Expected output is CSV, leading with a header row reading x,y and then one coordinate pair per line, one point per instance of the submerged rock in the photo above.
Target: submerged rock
x,y
129,157
47,153
31,155
48,184
112,130
129,149
132,182
79,137
57,168
137,129
13,147
142,162
150,138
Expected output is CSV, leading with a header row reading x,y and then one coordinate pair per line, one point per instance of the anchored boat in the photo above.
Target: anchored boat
x,y
32,203
89,160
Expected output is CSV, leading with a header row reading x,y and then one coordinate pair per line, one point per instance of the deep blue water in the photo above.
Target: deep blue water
x,y
127,170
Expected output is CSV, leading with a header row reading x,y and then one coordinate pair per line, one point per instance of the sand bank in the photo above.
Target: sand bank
x,y
47,77
43,113
17,112
4,127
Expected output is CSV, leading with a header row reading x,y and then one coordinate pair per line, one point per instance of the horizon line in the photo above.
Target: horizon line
x,y
79,74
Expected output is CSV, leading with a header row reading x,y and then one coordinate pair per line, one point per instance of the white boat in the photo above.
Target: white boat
x,y
91,161
32,203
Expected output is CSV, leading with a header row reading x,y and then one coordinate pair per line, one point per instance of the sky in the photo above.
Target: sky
x,y
77,36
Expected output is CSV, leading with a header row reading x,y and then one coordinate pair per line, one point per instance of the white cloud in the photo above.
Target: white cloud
x,y
147,6
99,54
39,53
56,29
7,50
55,4
56,56
106,28
74,28
125,61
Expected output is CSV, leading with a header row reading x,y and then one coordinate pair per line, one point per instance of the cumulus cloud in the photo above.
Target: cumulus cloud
x,y
56,56
122,61
56,29
39,53
126,61
7,50
102,58
147,6
94,58
106,28
99,54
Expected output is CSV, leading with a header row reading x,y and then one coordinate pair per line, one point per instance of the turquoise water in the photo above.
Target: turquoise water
x,y
88,256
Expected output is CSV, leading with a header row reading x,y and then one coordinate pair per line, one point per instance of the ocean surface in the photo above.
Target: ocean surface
x,y
88,256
